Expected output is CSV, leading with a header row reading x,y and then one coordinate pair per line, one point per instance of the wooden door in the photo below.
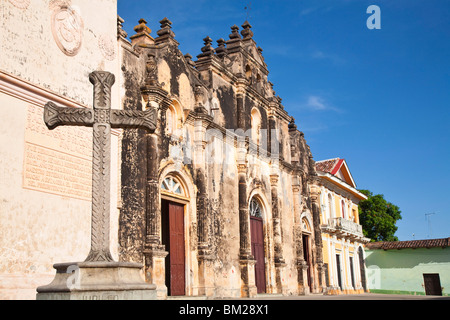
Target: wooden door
x,y
339,273
173,238
257,241
432,284
307,258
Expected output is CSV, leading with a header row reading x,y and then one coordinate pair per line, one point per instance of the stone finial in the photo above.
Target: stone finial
x,y
142,27
234,33
292,126
142,35
207,41
221,50
247,33
207,50
235,40
165,32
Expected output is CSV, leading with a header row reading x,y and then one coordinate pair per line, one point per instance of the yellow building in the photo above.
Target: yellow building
x,y
342,235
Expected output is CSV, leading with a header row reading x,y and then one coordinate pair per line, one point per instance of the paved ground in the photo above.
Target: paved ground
x,y
365,296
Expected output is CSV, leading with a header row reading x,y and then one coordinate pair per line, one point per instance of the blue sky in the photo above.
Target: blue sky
x,y
379,98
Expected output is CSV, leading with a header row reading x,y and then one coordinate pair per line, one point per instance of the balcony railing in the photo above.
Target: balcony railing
x,y
343,227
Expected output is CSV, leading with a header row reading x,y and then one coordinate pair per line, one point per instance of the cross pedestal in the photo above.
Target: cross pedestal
x,y
99,277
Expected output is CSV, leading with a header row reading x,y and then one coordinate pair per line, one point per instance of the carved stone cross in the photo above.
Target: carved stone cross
x,y
102,118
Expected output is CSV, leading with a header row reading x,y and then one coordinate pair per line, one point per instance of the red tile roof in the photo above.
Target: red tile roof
x,y
327,166
412,244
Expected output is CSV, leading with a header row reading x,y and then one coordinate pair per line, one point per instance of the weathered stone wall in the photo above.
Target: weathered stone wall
x,y
45,183
213,99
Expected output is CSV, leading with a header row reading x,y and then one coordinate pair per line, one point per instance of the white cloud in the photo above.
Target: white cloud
x,y
317,103
320,55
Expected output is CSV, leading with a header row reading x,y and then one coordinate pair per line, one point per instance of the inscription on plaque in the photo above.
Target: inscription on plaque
x,y
58,161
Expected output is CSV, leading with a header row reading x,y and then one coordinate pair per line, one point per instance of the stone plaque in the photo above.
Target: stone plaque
x,y
59,161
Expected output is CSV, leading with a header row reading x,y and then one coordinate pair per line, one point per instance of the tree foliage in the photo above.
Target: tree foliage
x,y
378,217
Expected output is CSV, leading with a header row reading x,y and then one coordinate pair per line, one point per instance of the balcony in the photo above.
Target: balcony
x,y
344,228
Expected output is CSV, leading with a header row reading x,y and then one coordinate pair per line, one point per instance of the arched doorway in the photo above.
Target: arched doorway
x,y
173,202
257,244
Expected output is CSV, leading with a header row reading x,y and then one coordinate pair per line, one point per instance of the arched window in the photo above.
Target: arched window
x,y
343,208
174,117
255,209
171,118
305,225
172,185
330,206
256,125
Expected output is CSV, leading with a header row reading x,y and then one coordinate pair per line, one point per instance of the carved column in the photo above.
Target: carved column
x,y
276,219
241,122
315,203
246,259
205,258
154,251
302,267
153,210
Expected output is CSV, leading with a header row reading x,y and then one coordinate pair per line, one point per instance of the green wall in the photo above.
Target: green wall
x,y
401,271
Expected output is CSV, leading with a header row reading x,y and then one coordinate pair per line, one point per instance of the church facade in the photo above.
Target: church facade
x,y
222,200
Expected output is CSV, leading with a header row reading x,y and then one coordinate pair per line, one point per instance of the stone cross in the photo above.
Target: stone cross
x,y
102,118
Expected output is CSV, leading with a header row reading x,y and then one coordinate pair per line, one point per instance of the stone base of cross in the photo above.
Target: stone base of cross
x,y
99,277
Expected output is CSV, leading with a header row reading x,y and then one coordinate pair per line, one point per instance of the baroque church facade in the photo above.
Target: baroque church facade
x,y
222,200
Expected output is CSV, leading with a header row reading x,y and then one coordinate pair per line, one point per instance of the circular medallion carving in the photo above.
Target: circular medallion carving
x,y
67,28
107,47
21,4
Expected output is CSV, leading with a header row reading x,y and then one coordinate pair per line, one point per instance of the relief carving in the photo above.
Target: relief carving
x,y
67,29
107,47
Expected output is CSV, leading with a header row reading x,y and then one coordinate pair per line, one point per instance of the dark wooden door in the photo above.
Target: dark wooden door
x,y
338,267
362,268
257,241
432,284
307,258
173,238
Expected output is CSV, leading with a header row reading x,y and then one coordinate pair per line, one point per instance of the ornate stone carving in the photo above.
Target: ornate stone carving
x,y
67,29
101,118
143,119
56,116
151,69
107,47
